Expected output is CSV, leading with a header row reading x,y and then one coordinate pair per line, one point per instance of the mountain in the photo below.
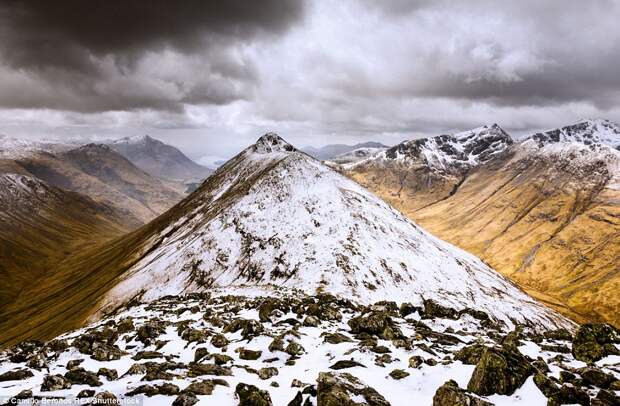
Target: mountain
x,y
97,171
274,219
159,159
42,224
356,155
416,173
15,148
330,151
544,211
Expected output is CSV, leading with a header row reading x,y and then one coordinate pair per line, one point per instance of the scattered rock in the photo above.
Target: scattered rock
x,y
54,383
111,374
449,394
343,364
596,377
198,369
433,310
399,374
470,354
250,395
16,375
219,341
595,341
335,338
80,376
249,354
86,393
339,389
499,371
185,399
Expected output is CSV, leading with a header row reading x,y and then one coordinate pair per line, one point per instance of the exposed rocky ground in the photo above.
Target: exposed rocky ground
x,y
315,350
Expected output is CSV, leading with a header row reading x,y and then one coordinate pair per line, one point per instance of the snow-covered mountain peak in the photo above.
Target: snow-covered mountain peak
x,y
587,132
134,140
271,142
273,220
453,153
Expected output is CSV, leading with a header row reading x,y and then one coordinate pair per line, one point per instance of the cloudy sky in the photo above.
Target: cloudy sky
x,y
210,77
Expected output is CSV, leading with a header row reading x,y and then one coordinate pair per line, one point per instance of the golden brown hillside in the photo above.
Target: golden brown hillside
x,y
552,225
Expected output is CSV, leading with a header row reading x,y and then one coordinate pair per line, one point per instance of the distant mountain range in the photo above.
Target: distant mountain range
x,y
331,151
160,159
544,211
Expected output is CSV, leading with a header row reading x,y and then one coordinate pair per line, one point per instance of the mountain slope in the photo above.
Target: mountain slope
x,y
274,218
98,172
42,224
546,213
159,159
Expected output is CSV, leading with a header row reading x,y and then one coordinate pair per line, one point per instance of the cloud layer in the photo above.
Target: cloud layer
x,y
218,73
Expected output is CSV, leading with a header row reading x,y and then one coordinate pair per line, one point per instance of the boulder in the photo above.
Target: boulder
x,y
250,395
595,341
449,394
16,375
499,371
54,383
341,388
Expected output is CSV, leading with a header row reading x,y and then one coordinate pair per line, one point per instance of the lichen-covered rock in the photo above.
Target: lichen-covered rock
x,y
595,341
249,354
335,338
185,399
54,383
335,389
433,310
250,395
596,377
80,376
449,394
219,341
605,398
499,371
294,348
344,364
110,374
399,374
378,323
267,372
198,369
470,354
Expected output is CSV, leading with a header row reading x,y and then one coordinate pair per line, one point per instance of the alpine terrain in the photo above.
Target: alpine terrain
x,y
280,281
544,211
159,159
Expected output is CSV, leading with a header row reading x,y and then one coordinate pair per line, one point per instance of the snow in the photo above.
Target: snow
x,y
280,219
445,153
17,148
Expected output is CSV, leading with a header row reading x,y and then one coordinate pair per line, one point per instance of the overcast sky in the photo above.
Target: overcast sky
x,y
212,78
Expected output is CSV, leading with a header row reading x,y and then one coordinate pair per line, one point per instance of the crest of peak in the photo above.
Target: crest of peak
x,y
272,142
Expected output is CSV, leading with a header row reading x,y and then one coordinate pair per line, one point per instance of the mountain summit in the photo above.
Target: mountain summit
x,y
274,218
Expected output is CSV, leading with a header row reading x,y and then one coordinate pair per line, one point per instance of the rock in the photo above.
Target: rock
x,y
219,341
111,374
606,398
166,389
499,371
38,361
562,349
200,353
546,385
192,335
343,364
297,400
156,375
220,359
250,395
373,323
105,398
399,374
470,354
294,348
268,372
125,326
150,330
106,352
16,375
185,399
449,394
205,387
311,321
380,349
197,369
249,328
147,355
136,369
79,376
268,306
415,361
407,308
276,345
596,377
74,363
433,309
340,389
558,335
86,393
594,341
249,354
148,390
335,338
568,395
54,383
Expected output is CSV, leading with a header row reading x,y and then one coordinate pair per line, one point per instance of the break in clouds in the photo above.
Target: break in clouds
x,y
198,73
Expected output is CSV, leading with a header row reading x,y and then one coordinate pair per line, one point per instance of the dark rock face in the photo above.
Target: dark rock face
x,y
250,395
595,341
334,389
499,371
449,394
596,377
471,354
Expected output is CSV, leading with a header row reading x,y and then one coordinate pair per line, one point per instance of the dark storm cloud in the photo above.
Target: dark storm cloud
x,y
81,50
